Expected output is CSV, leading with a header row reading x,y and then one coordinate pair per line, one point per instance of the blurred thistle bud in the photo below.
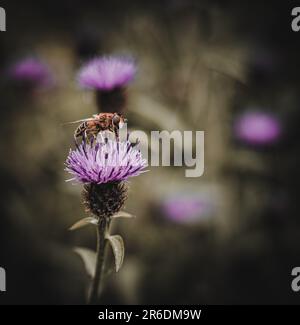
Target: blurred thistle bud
x,y
188,208
257,128
31,74
108,76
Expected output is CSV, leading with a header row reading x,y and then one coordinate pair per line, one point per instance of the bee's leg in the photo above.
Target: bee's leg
x,y
75,139
85,136
94,137
116,131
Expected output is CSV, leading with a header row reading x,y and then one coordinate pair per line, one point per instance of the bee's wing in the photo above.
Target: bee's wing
x,y
100,117
79,121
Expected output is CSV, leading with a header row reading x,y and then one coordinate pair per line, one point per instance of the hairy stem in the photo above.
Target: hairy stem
x,y
102,230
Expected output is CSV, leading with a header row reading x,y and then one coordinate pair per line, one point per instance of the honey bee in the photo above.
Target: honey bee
x,y
90,127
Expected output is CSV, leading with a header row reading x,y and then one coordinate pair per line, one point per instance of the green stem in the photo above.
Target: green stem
x,y
102,230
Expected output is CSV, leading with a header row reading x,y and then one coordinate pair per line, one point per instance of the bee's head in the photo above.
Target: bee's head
x,y
118,120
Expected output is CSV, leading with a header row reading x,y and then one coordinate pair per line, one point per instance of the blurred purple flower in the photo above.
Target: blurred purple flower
x,y
257,128
103,162
107,73
186,209
31,71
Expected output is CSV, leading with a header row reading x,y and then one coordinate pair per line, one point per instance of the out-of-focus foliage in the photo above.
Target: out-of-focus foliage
x,y
201,65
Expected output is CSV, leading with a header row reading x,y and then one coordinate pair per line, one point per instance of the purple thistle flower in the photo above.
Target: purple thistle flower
x,y
104,162
257,128
107,73
32,71
184,208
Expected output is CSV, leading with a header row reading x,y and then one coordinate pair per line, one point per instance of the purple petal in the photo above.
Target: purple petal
x,y
107,73
104,162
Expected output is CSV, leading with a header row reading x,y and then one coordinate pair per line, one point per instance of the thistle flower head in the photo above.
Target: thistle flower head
x,y
187,208
107,73
32,71
102,162
257,128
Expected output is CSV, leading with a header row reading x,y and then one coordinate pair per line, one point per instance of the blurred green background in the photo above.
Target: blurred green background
x,y
230,236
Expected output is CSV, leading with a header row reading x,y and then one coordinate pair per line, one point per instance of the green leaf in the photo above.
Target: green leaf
x,y
89,259
123,214
117,245
84,222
